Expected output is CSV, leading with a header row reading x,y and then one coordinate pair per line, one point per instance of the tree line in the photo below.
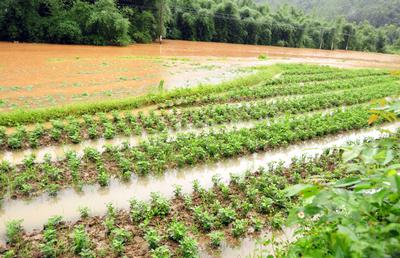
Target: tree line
x,y
110,22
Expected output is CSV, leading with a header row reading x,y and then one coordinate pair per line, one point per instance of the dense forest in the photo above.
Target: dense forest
x,y
377,12
110,22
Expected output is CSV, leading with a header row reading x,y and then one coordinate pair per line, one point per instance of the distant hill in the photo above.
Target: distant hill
x,y
377,12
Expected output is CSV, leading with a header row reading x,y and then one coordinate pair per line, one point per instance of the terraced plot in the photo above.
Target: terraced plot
x,y
175,130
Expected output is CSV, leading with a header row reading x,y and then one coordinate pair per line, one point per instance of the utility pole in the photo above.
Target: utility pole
x,y
348,41
160,22
321,38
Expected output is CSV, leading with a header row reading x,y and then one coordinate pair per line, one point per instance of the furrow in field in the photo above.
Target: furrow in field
x,y
94,127
36,211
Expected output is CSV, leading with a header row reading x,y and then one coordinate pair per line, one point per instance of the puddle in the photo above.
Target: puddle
x,y
36,212
252,246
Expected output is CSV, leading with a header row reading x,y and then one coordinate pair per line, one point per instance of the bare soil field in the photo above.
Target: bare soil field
x,y
42,75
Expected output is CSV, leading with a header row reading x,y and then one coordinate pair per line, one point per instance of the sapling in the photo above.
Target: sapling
x,y
14,231
188,247
239,227
226,215
178,191
153,238
3,135
161,252
160,206
139,210
177,231
216,237
81,240
84,212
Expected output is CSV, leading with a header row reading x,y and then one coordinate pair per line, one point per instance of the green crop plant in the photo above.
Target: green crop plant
x,y
119,238
153,238
139,210
188,247
161,252
216,237
239,227
205,219
50,241
84,212
270,182
159,205
81,241
178,191
177,231
14,231
226,215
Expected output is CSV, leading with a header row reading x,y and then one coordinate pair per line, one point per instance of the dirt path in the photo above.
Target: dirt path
x,y
41,75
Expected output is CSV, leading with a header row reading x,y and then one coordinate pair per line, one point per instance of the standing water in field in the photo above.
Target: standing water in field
x,y
36,212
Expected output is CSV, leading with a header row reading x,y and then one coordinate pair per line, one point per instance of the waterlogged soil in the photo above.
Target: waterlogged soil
x,y
252,246
58,152
35,212
42,75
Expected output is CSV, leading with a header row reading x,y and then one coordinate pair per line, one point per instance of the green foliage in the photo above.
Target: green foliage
x,y
161,252
177,231
153,238
216,237
356,216
81,241
188,247
239,227
14,231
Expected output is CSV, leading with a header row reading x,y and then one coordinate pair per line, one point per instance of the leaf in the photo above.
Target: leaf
x,y
351,153
372,119
347,232
395,183
347,182
300,189
384,156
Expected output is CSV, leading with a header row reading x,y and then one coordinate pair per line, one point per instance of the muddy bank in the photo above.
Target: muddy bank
x,y
35,212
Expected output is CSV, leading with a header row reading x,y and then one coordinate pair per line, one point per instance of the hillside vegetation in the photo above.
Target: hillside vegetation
x,y
377,12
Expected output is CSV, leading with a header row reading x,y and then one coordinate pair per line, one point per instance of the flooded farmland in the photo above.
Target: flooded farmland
x,y
67,203
43,75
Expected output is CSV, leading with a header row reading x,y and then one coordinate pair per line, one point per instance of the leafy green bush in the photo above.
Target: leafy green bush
x,y
177,231
13,231
216,237
357,216
106,24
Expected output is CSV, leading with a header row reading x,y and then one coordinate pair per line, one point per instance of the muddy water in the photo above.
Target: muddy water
x,y
250,247
36,212
57,152
39,75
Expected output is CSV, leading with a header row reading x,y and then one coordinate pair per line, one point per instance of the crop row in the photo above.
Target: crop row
x,y
306,69
179,226
158,154
102,126
186,224
265,91
19,117
264,74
